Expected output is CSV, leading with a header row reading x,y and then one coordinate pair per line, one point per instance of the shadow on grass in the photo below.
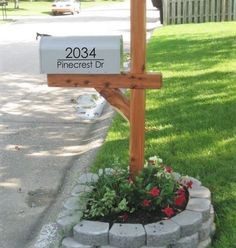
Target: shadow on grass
x,y
191,121
47,12
16,10
195,113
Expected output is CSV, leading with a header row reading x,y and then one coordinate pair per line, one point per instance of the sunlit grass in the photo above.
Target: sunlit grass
x,y
191,121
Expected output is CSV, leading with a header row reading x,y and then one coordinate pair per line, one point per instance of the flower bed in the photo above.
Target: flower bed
x,y
175,212
156,193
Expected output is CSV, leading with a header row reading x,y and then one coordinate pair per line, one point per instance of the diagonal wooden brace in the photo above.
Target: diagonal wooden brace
x,y
118,100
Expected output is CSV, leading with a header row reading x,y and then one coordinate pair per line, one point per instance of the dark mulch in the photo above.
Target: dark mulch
x,y
139,217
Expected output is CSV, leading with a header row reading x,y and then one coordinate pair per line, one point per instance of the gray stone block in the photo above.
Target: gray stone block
x,y
71,243
81,188
189,222
187,242
67,212
155,247
212,211
72,203
127,235
213,229
107,246
88,178
200,192
75,203
162,233
205,230
204,244
67,223
196,182
200,205
91,233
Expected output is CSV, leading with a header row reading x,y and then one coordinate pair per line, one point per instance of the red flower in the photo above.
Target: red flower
x,y
168,169
180,200
146,203
168,212
181,191
189,184
154,192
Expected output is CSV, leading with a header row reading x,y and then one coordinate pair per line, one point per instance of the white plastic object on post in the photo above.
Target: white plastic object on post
x,y
90,106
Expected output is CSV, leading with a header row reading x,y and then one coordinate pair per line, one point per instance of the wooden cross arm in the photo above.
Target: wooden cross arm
x,y
107,81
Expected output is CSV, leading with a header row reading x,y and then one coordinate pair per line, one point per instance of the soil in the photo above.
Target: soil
x,y
139,217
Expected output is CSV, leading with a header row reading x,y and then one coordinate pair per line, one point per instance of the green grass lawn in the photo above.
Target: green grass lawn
x,y
191,121
27,8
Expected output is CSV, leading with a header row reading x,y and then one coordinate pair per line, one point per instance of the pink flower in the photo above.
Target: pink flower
x,y
154,192
189,184
168,211
168,169
146,203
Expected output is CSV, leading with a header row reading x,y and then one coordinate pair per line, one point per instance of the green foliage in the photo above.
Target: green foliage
x,y
153,190
107,196
102,206
191,121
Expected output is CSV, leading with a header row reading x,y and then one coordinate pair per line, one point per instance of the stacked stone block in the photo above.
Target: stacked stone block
x,y
192,228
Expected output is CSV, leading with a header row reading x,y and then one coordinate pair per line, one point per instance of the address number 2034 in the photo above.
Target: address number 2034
x,y
77,53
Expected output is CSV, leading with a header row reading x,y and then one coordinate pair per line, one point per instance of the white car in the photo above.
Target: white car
x,y
65,6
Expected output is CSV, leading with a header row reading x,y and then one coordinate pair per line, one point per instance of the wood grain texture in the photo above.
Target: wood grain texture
x,y
118,100
137,100
124,80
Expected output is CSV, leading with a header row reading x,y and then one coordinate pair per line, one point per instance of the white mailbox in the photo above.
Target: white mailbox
x,y
81,55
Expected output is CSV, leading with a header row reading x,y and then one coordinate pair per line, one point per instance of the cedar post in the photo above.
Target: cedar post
x,y
108,85
137,101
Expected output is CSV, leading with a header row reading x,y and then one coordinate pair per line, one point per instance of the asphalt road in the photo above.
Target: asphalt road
x,y
43,145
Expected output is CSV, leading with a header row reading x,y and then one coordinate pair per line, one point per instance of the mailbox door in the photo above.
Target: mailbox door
x,y
81,55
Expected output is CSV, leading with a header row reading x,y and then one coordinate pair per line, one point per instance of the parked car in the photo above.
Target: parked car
x,y
65,6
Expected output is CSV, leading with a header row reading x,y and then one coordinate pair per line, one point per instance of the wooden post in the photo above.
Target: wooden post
x,y
137,80
137,101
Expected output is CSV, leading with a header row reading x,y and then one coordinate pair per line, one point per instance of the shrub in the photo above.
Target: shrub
x,y
155,194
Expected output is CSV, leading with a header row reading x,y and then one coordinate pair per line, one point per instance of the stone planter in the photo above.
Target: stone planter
x,y
192,228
